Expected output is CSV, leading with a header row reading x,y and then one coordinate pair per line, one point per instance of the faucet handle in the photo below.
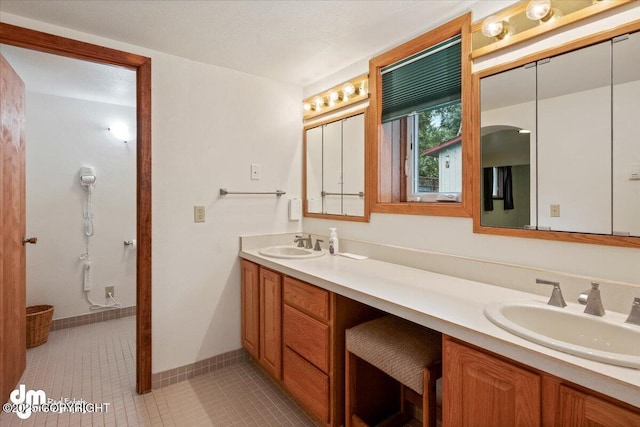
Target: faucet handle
x,y
317,245
634,314
556,295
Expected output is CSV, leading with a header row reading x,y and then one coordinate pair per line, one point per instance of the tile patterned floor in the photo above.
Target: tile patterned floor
x,y
96,362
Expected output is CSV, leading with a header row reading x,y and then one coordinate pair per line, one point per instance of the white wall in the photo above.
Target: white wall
x,y
64,134
208,125
455,235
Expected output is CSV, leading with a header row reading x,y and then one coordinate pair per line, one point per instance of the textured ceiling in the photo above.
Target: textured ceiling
x,y
298,42
72,78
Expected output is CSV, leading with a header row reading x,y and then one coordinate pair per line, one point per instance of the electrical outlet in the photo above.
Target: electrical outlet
x,y
554,211
109,290
255,172
198,214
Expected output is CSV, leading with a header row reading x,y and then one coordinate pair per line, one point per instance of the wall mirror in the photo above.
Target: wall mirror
x,y
558,144
334,168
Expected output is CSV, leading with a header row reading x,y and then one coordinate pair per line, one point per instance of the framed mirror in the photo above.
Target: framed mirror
x,y
334,168
558,155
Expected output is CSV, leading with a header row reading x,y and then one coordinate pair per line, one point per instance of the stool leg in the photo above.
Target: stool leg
x,y
429,413
350,387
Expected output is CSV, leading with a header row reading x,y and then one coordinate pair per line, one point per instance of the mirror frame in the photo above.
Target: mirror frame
x,y
599,239
367,162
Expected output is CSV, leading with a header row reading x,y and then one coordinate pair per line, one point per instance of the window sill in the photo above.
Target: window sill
x,y
422,208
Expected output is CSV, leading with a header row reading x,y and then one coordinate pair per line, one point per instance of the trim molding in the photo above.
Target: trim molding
x,y
172,376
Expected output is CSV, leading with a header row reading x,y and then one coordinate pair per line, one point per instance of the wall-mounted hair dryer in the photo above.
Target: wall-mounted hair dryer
x,y
87,178
88,182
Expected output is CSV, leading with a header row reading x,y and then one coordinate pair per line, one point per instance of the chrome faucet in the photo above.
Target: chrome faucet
x,y
593,300
304,242
634,314
556,295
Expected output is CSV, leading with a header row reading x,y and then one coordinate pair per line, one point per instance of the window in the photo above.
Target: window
x,y
420,102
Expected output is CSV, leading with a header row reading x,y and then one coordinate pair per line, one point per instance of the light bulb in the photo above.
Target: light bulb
x,y
524,131
348,89
333,97
539,10
493,26
318,102
306,106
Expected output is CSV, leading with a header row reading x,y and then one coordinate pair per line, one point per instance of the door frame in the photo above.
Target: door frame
x,y
49,43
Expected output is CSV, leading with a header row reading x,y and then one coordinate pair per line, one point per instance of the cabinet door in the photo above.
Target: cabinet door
x,y
270,321
251,308
332,167
580,409
626,128
574,141
481,390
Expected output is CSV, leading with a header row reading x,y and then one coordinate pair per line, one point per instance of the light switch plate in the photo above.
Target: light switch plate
x,y
198,214
255,171
554,211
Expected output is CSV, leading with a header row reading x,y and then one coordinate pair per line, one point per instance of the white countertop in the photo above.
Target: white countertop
x,y
454,307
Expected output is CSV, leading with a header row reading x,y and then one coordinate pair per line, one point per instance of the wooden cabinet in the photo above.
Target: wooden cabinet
x,y
482,389
262,316
576,408
296,332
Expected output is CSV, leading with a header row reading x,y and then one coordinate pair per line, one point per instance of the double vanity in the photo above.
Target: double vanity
x,y
540,380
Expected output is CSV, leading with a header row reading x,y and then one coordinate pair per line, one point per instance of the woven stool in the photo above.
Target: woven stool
x,y
390,360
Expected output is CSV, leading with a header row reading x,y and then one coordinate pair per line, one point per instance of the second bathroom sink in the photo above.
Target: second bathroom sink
x,y
569,330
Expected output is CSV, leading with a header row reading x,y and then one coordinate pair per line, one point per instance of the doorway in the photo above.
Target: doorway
x,y
17,36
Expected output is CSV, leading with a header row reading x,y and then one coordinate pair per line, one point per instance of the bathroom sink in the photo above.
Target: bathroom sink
x,y
289,252
569,330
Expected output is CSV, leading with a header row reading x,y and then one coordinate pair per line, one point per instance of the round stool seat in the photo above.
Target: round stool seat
x,y
397,347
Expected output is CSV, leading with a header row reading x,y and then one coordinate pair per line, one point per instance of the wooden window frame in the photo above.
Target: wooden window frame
x,y
462,26
564,236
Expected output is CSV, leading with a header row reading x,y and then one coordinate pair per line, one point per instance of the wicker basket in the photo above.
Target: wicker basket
x,y
38,324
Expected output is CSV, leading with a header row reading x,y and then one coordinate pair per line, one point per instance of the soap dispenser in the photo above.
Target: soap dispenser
x,y
333,242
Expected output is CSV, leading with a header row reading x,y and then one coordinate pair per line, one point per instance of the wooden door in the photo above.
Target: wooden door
x,y
271,321
251,308
482,390
13,347
582,410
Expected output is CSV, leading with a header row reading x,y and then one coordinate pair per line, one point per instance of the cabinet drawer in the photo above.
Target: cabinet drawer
x,y
307,383
308,337
307,298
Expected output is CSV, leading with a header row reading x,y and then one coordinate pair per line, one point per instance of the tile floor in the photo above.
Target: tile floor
x,y
96,363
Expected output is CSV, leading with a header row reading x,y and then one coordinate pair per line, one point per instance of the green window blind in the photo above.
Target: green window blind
x,y
428,78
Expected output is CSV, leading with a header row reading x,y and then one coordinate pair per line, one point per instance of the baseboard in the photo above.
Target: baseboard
x,y
172,376
99,316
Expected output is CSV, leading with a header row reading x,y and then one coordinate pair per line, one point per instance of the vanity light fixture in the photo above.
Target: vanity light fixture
x,y
494,26
532,19
339,96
